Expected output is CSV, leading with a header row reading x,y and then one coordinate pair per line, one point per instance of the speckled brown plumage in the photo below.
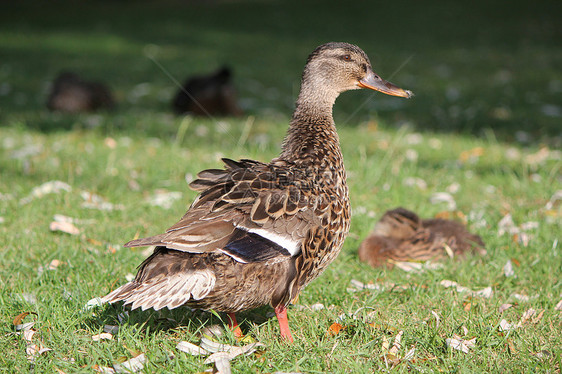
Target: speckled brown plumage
x,y
401,235
258,233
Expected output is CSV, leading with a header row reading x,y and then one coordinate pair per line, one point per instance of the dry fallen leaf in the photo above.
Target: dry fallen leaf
x,y
233,352
526,316
416,267
335,329
103,369
437,319
485,292
164,199
508,269
456,342
558,306
102,336
443,197
45,189
505,326
111,329
190,348
471,154
502,308
93,201
397,344
134,365
92,303
65,227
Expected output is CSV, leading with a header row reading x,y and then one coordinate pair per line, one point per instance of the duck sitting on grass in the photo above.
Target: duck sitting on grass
x,y
400,235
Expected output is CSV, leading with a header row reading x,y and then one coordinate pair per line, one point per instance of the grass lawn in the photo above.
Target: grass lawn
x,y
484,127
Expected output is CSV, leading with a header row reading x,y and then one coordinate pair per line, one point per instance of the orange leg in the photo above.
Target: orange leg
x,y
281,313
233,325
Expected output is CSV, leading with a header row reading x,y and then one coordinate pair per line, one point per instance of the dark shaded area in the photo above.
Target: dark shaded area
x,y
474,67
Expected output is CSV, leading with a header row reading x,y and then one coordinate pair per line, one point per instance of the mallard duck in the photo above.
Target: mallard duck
x,y
258,233
205,95
71,94
400,235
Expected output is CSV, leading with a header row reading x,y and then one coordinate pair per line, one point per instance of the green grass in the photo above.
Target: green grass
x,y
485,61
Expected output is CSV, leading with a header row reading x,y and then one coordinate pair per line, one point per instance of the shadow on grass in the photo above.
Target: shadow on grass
x,y
184,318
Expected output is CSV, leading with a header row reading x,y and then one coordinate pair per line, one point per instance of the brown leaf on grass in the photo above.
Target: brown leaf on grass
x,y
34,350
134,365
65,227
94,241
471,154
558,306
334,329
456,342
527,315
191,348
51,187
110,142
20,317
103,369
397,345
502,308
93,201
508,269
485,292
53,265
444,197
505,326
510,346
102,336
230,352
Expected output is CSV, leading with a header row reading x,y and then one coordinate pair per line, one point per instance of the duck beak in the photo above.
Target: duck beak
x,y
374,82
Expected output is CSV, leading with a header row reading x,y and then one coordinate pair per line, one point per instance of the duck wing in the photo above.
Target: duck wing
x,y
250,211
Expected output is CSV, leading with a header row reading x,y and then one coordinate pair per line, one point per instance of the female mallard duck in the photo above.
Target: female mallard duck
x,y
401,235
258,233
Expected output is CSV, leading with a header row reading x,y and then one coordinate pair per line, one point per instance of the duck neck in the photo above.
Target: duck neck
x,y
312,136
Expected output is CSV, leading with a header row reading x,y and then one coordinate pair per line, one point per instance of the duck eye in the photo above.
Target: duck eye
x,y
347,57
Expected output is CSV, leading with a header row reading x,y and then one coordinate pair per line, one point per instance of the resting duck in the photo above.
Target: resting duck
x,y
258,233
71,94
208,94
401,235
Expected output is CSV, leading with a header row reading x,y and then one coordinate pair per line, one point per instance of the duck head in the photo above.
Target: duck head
x,y
337,67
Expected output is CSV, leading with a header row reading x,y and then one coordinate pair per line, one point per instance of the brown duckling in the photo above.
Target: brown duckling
x,y
258,233
71,94
211,94
400,235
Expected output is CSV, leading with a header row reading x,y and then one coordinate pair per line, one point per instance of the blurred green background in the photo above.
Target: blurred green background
x,y
474,67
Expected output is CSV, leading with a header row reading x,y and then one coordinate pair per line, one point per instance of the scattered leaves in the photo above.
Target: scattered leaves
x,y
93,201
485,292
51,187
65,227
164,199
